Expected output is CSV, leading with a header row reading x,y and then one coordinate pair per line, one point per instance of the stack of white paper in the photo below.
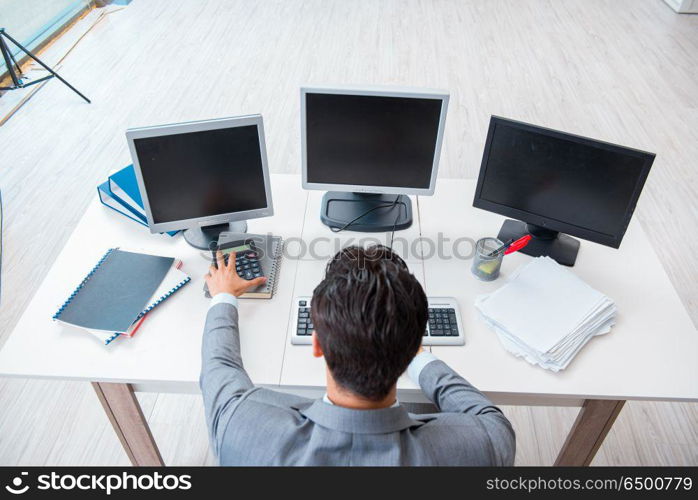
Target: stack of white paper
x,y
546,314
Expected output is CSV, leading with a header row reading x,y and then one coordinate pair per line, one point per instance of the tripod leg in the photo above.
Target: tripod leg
x,y
6,56
19,70
44,66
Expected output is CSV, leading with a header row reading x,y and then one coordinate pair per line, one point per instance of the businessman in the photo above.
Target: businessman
x,y
369,314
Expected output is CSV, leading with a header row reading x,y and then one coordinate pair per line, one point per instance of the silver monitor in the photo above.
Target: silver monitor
x,y
204,177
369,147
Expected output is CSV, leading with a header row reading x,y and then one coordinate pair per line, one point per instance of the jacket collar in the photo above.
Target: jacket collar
x,y
342,419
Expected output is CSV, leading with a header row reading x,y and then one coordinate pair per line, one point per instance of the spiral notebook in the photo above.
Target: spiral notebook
x,y
114,298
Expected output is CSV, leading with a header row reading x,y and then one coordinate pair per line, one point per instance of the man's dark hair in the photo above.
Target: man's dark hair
x,y
370,314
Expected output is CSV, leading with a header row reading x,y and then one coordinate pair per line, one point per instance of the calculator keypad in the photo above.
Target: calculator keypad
x,y
247,265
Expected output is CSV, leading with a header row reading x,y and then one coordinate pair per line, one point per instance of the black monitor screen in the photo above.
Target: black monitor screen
x,y
371,140
200,174
579,183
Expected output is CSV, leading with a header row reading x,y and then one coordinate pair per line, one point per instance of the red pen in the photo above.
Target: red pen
x,y
518,244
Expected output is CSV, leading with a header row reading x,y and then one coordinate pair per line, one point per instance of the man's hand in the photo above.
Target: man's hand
x,y
225,279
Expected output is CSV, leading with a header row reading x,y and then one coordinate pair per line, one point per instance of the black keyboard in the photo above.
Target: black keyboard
x,y
442,322
305,324
443,326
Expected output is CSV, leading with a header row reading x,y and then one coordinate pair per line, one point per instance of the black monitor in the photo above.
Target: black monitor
x,y
553,182
370,147
205,177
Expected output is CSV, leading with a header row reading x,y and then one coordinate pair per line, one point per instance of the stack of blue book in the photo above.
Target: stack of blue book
x,y
120,192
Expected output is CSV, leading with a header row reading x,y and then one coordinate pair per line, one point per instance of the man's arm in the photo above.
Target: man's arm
x,y
223,379
445,388
453,394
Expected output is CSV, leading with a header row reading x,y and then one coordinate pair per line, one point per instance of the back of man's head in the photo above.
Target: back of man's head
x,y
370,314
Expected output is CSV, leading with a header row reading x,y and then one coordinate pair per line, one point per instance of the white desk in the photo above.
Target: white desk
x,y
649,354
302,373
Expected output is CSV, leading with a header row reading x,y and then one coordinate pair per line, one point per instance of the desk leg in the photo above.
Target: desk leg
x,y
588,432
125,414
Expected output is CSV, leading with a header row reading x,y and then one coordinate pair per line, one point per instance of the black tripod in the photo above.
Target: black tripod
x,y
11,64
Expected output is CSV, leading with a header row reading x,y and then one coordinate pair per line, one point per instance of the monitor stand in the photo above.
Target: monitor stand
x,y
558,246
206,237
339,208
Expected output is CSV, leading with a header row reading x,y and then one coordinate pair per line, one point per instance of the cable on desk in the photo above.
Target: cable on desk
x,y
385,205
351,222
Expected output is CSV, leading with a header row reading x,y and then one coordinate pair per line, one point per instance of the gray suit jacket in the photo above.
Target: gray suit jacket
x,y
255,426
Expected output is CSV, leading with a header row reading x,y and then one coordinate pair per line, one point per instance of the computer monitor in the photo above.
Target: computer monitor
x,y
204,177
552,182
370,147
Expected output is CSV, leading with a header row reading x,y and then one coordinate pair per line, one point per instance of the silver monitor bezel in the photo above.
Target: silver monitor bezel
x,y
403,92
200,126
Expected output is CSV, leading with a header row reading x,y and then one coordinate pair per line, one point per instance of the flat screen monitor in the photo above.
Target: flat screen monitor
x,y
375,141
204,174
557,182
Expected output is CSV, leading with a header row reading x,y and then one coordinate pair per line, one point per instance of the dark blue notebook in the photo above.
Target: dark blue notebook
x,y
113,295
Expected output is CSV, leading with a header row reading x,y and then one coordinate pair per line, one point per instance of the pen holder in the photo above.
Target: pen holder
x,y
486,267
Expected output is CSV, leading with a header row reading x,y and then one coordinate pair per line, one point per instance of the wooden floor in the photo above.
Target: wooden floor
x,y
624,71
